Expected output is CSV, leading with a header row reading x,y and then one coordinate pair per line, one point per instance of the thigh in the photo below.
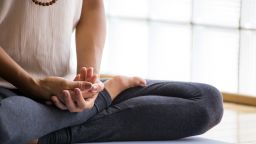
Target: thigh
x,y
204,95
4,93
185,90
23,119
150,117
162,110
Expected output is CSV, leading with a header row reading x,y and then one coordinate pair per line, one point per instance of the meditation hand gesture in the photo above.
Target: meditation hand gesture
x,y
77,100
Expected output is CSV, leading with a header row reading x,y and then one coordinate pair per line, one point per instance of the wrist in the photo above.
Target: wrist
x,y
39,89
34,88
31,85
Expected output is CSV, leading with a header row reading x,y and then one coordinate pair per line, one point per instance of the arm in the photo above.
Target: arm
x,y
13,73
90,35
39,88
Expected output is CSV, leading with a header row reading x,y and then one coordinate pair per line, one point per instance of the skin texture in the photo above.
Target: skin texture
x,y
82,99
90,35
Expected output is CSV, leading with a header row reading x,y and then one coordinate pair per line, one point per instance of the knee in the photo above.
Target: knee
x,y
211,105
5,132
9,115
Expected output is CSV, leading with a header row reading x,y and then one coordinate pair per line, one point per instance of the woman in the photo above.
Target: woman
x,y
35,69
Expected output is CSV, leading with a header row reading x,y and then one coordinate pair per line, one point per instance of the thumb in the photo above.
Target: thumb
x,y
97,87
82,85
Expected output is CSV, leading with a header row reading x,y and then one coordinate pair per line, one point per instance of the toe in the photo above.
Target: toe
x,y
139,81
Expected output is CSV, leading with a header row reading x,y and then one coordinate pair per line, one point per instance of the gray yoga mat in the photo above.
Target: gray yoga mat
x,y
191,140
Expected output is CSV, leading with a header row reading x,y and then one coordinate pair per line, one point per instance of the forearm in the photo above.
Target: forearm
x,y
13,73
90,35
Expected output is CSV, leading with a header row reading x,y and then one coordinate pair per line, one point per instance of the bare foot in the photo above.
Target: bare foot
x,y
115,86
118,84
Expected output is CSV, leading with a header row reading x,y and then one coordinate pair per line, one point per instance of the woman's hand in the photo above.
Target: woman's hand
x,y
87,74
49,86
80,99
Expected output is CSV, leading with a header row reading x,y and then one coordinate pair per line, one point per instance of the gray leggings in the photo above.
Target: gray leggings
x,y
161,111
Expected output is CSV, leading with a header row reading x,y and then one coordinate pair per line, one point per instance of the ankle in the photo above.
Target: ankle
x,y
118,84
108,85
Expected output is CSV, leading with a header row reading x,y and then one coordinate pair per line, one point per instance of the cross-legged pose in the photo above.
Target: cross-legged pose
x,y
43,100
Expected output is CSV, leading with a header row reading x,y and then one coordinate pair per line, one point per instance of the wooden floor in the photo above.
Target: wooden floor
x,y
237,126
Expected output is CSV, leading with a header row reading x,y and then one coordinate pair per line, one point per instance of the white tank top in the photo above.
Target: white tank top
x,y
37,37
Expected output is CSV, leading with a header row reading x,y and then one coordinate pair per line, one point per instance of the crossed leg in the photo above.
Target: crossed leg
x,y
161,111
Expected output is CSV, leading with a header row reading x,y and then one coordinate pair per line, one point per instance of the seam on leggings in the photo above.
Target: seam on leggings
x,y
189,84
129,108
106,94
107,101
198,89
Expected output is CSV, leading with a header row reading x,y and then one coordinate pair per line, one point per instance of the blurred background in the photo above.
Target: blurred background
x,y
209,41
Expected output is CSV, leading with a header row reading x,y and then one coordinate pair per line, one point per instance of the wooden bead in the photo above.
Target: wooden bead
x,y
44,3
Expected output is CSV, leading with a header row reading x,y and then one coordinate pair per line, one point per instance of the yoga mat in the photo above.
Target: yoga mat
x,y
191,140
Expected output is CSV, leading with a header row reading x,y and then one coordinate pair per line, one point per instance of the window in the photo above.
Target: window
x,y
209,41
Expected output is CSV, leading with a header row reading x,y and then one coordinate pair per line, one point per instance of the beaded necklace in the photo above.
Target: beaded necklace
x,y
44,3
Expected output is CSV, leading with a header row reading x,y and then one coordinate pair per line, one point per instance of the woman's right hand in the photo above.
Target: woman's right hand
x,y
79,100
54,86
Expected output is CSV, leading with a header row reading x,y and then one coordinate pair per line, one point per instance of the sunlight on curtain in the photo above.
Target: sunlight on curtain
x,y
127,48
215,57
184,40
170,10
247,73
169,51
217,12
247,77
128,8
248,18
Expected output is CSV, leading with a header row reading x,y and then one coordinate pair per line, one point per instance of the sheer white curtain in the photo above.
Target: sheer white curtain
x,y
247,71
210,41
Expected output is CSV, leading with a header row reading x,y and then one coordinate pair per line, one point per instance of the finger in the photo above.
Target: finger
x,y
101,86
143,82
89,72
94,78
97,87
90,101
58,103
83,85
71,92
69,101
77,78
60,97
81,104
83,73
88,94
